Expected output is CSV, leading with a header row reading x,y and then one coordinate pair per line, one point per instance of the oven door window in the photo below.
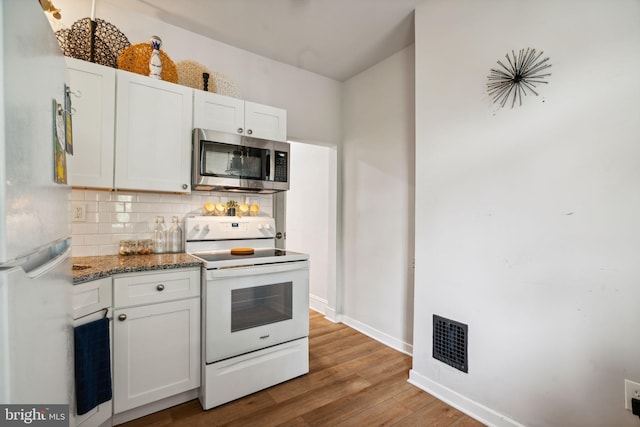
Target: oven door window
x,y
261,305
234,161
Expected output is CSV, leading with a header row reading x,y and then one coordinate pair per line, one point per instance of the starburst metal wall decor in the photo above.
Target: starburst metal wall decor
x,y
521,76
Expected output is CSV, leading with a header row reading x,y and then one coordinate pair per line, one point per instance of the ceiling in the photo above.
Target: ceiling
x,y
334,38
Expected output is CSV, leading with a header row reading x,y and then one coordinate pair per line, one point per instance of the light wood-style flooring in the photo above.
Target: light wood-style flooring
x,y
353,380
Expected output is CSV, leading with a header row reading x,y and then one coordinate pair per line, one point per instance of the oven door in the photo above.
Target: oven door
x,y
254,307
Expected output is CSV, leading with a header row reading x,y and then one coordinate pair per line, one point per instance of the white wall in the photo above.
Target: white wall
x,y
311,218
377,200
312,101
527,219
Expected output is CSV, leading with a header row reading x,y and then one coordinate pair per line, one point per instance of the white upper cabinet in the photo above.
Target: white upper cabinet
x,y
93,122
218,112
153,134
231,115
263,121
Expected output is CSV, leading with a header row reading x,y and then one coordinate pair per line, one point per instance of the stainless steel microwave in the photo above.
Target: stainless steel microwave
x,y
229,162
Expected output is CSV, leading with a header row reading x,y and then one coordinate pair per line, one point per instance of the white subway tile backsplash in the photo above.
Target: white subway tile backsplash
x,y
149,217
107,250
92,217
124,197
100,196
97,239
116,215
123,217
188,198
83,228
92,206
107,228
83,250
149,197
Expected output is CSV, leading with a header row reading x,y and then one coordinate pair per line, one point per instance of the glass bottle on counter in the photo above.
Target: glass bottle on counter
x,y
159,236
175,236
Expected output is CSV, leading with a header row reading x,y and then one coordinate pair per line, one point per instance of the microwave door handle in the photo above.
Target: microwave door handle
x,y
268,171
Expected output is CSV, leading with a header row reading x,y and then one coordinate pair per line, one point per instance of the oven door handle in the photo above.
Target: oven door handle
x,y
254,270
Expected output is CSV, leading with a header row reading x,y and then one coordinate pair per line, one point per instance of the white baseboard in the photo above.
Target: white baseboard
x,y
330,314
470,407
377,335
318,304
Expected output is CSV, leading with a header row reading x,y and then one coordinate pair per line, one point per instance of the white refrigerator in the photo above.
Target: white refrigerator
x,y
35,264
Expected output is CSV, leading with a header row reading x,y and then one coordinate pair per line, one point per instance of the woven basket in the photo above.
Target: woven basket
x,y
109,42
225,85
136,58
190,74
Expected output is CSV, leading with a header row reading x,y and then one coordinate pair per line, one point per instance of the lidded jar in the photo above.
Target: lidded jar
x,y
145,246
127,247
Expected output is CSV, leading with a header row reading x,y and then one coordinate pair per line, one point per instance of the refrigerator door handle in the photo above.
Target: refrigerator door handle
x,y
58,254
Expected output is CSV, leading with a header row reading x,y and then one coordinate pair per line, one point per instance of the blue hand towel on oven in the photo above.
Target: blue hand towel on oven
x,y
92,365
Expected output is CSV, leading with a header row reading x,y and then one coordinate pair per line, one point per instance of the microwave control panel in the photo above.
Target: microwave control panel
x,y
282,160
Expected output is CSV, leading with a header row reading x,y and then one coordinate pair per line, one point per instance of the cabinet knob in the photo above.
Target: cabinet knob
x,y
239,130
249,131
185,186
122,317
160,287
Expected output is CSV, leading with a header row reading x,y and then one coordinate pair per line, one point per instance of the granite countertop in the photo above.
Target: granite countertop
x,y
90,268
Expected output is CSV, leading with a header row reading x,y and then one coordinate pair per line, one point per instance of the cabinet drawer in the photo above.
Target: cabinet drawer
x,y
90,297
145,288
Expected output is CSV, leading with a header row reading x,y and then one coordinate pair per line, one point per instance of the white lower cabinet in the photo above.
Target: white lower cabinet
x,y
156,345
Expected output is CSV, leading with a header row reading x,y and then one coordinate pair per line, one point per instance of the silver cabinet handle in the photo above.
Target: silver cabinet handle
x,y
185,186
122,317
239,130
160,287
249,131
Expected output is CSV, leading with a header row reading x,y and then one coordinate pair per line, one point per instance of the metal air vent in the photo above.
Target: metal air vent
x,y
450,342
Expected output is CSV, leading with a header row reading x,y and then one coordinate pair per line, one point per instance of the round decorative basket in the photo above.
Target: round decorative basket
x,y
136,58
108,42
225,85
190,73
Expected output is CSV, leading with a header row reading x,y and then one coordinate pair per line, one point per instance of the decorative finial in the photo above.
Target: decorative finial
x,y
205,78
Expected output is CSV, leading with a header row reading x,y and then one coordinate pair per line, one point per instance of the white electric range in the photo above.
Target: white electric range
x,y
255,306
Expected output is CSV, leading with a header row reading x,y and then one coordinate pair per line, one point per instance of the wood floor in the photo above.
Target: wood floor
x,y
353,380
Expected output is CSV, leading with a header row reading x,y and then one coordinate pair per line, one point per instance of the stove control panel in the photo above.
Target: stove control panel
x,y
198,228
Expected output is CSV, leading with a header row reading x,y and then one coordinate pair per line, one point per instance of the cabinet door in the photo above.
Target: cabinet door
x,y
156,352
153,134
93,97
266,122
218,112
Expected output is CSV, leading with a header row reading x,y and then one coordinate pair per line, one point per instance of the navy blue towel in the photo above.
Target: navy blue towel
x,y
93,365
